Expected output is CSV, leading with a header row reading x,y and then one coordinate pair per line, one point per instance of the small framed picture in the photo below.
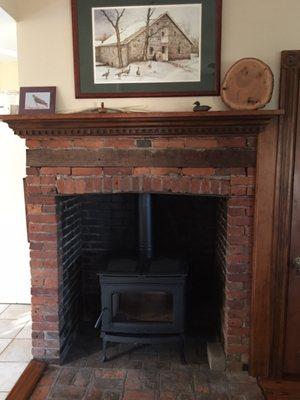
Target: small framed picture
x,y
37,100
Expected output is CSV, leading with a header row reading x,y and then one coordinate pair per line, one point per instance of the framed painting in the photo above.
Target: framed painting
x,y
146,48
37,100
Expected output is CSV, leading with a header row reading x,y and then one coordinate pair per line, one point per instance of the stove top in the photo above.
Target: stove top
x,y
161,266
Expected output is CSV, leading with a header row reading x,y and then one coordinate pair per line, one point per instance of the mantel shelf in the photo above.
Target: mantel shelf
x,y
142,124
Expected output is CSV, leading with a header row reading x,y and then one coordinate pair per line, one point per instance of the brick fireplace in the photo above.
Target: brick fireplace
x,y
73,161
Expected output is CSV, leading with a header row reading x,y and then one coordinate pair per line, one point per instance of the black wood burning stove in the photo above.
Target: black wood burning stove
x,y
143,299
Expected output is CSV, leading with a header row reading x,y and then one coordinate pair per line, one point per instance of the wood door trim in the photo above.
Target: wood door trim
x,y
288,132
262,250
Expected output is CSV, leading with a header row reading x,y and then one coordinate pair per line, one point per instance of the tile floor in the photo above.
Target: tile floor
x,y
15,344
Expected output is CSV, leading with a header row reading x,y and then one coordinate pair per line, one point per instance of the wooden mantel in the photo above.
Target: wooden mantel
x,y
142,124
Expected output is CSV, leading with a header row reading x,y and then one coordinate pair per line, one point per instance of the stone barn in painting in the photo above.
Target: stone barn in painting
x,y
166,42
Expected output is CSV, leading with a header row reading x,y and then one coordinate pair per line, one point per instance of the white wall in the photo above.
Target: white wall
x,y
14,260
9,76
14,249
255,28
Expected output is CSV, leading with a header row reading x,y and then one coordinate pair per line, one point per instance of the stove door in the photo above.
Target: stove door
x,y
143,309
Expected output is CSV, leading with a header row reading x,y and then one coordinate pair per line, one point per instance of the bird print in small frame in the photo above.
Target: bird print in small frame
x,y
36,100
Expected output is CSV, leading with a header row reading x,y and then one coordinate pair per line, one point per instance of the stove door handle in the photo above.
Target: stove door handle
x,y
98,322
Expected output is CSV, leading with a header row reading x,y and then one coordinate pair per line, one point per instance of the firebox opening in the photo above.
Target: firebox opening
x,y
98,228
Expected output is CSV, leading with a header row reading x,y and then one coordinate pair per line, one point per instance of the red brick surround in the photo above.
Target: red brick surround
x,y
43,184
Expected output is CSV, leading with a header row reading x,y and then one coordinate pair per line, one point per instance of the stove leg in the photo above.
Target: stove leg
x,y
182,348
104,358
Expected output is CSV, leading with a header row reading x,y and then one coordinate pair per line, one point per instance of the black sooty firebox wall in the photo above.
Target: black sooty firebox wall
x,y
143,298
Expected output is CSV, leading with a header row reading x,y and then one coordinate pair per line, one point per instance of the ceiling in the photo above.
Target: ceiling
x,y
8,37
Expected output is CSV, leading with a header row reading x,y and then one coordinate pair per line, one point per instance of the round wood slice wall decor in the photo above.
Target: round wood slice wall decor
x,y
248,85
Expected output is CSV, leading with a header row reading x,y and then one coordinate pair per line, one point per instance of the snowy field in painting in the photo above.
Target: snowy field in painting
x,y
151,71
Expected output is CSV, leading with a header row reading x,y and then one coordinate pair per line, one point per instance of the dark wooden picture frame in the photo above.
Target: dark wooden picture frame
x,y
91,84
37,100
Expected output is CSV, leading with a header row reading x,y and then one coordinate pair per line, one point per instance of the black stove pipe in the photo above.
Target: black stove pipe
x,y
145,226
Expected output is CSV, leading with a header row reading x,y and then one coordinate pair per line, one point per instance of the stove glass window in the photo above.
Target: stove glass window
x,y
134,307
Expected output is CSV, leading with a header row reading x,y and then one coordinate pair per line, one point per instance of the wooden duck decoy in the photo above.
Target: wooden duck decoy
x,y
198,107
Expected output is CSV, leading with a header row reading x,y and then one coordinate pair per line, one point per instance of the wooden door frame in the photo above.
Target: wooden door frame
x,y
289,131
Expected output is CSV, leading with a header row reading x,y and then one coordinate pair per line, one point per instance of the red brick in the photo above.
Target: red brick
x,y
250,191
238,249
230,171
33,180
225,187
164,171
233,339
240,221
238,190
89,143
49,190
93,185
87,171
168,143
55,171
80,186
235,348
205,186
238,258
251,171
232,142
135,184
240,201
146,184
239,277
185,185
107,185
33,209
141,171
195,186
42,218
119,143
236,211
49,209
175,185
238,331
66,186
58,143
139,395
238,295
110,373
33,190
32,171
156,184
33,143
38,352
116,180
201,143
111,171
216,187
242,180
198,171
167,183
40,237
